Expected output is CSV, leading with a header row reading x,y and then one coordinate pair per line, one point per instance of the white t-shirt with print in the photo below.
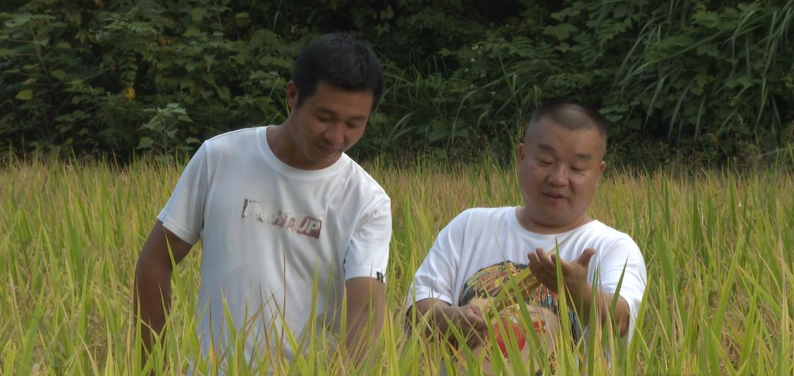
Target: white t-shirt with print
x,y
481,239
269,231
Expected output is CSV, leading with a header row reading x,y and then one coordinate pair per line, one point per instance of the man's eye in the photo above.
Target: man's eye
x,y
577,169
325,119
544,162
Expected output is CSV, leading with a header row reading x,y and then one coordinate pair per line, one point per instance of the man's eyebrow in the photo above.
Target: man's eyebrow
x,y
328,111
546,148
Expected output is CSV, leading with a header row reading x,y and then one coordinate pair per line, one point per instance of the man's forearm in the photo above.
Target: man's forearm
x,y
363,329
586,301
366,310
437,312
152,300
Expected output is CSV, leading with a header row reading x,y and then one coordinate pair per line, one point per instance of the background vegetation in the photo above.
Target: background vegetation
x,y
718,249
709,81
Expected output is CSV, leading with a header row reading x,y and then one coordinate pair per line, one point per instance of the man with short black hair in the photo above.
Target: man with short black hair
x,y
279,208
559,165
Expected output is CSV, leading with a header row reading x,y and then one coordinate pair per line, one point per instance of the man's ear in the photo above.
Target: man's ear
x,y
602,167
520,152
292,95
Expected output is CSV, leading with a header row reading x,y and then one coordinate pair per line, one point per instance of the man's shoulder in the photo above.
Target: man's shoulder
x,y
599,227
362,182
482,218
232,140
610,236
483,212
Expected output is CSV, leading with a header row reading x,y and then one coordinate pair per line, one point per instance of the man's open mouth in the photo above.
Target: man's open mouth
x,y
554,195
328,150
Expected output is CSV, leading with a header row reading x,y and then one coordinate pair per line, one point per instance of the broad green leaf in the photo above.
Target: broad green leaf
x,y
561,31
198,14
59,74
224,93
707,19
19,19
145,143
192,32
25,95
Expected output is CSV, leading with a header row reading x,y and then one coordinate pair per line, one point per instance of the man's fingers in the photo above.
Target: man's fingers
x,y
543,258
480,325
533,261
542,255
539,269
475,319
535,264
584,259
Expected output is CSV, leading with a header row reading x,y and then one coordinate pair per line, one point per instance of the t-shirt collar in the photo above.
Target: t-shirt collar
x,y
292,172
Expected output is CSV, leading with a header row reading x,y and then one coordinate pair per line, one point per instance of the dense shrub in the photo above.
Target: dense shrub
x,y
708,79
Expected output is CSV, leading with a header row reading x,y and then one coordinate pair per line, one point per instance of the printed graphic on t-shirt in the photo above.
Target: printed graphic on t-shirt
x,y
488,283
297,223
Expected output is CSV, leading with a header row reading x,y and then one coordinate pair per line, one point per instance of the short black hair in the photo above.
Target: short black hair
x,y
340,60
571,115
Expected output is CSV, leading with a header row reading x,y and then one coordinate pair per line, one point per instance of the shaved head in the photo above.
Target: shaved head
x,y
559,165
569,115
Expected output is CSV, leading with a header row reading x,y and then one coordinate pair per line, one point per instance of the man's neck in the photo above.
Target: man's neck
x,y
282,144
527,223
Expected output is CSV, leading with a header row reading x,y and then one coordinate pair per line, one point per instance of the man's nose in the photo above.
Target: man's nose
x,y
559,176
334,134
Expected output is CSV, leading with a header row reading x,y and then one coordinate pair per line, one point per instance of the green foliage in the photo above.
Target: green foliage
x,y
111,81
703,79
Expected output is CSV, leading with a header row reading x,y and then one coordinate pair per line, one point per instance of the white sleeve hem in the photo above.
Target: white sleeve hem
x,y
177,228
365,272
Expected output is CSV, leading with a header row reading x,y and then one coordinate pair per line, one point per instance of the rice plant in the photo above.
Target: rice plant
x,y
718,247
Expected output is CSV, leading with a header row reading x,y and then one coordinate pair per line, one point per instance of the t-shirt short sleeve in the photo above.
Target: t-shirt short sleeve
x,y
183,214
435,278
624,260
368,253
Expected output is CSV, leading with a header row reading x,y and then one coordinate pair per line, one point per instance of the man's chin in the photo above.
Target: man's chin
x,y
326,159
554,220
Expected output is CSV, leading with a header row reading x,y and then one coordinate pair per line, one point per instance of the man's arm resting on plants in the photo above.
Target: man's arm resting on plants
x,y
366,309
152,290
600,302
468,319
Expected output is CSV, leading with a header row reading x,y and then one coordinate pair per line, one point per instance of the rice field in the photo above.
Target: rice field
x,y
719,249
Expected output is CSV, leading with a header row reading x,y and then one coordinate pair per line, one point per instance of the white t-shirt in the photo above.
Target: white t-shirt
x,y
268,232
483,245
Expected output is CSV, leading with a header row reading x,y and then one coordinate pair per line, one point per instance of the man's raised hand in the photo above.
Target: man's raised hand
x,y
574,274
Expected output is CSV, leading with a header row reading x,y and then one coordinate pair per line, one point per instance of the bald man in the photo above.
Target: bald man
x,y
559,164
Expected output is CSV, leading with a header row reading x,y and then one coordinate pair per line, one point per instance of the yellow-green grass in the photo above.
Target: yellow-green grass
x,y
718,248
